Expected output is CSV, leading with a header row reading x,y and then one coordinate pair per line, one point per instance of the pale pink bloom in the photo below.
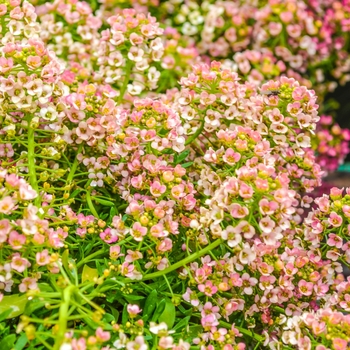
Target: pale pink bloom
x,y
209,321
133,310
163,264
266,224
157,189
78,344
208,288
138,231
19,264
114,252
247,283
166,342
101,335
16,240
27,283
191,297
7,204
230,234
138,343
305,288
43,258
247,255
133,256
238,212
334,241
334,219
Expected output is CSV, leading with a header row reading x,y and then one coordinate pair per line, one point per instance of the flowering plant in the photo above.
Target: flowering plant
x,y
135,219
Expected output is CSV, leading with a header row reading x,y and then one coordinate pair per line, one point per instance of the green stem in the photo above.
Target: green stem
x,y
91,206
74,166
88,258
126,81
196,134
31,164
182,262
244,331
63,317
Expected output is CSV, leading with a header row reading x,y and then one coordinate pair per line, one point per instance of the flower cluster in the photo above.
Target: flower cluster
x,y
331,143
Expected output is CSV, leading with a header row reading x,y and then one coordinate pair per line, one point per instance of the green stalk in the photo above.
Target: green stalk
x,y
128,69
63,316
90,257
31,165
244,331
182,262
196,134
74,166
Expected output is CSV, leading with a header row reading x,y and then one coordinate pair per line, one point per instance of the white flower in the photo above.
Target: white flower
x,y
66,346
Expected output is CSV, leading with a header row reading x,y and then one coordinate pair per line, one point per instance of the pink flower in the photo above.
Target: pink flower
x,y
231,236
138,231
133,310
208,289
238,212
19,264
247,283
266,224
114,252
231,157
209,321
340,344
78,344
16,240
334,241
109,235
305,288
334,219
7,205
157,189
27,283
138,343
191,297
43,258
101,335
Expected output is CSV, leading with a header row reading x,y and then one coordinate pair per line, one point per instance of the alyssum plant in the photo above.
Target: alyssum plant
x,y
177,221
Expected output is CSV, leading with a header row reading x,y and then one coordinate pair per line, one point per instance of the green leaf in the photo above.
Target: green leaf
x,y
150,305
115,313
8,342
103,201
33,305
21,342
45,287
99,268
15,302
167,151
194,331
108,318
88,274
186,165
5,314
182,156
183,323
168,315
133,297
159,310
125,315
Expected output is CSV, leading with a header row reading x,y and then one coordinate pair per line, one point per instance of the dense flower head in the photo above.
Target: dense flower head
x,y
132,43
331,143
